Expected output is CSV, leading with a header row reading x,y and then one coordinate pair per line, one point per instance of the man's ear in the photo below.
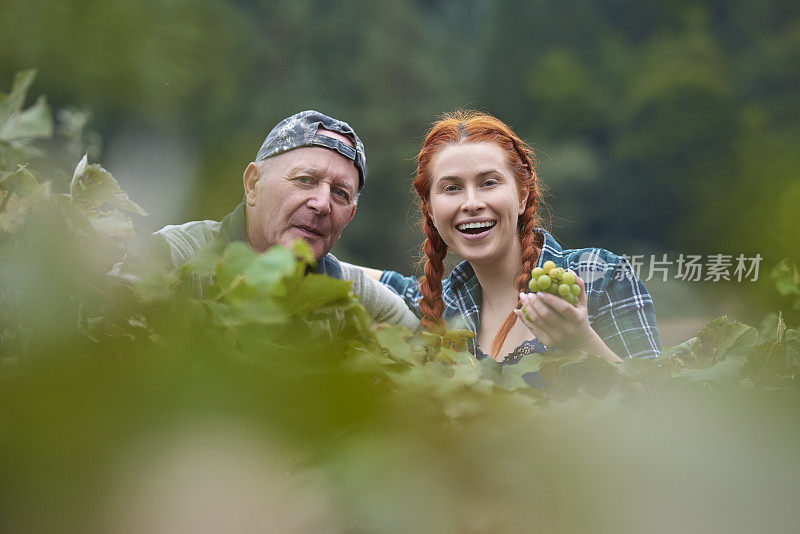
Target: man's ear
x,y
250,177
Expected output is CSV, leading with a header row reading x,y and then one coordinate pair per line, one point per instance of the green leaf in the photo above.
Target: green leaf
x,y
92,186
721,338
20,181
727,372
34,122
268,268
315,291
14,207
205,262
514,375
112,224
791,344
246,312
303,252
638,367
395,340
786,278
594,374
12,102
235,259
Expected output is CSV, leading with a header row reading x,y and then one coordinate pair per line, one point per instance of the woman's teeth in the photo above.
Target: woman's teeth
x,y
479,226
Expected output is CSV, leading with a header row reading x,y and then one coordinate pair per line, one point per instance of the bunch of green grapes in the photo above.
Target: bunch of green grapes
x,y
555,280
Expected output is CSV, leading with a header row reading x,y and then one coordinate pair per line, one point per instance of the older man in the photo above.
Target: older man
x,y
304,184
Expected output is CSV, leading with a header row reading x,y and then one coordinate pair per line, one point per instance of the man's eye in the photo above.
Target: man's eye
x,y
303,179
341,194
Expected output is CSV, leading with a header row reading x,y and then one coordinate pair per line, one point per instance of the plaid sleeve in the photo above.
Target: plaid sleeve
x,y
624,315
405,286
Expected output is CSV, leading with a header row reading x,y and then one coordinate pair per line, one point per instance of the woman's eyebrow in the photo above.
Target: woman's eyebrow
x,y
491,172
481,175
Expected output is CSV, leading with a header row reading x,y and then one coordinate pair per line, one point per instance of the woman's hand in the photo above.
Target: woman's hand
x,y
558,324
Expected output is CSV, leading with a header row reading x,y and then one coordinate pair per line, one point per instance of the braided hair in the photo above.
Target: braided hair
x,y
474,127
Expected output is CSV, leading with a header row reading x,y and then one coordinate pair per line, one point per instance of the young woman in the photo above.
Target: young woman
x,y
479,197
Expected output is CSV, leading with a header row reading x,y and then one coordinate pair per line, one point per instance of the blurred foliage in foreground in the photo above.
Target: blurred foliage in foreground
x,y
277,404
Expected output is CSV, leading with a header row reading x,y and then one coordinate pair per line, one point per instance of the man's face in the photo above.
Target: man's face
x,y
306,193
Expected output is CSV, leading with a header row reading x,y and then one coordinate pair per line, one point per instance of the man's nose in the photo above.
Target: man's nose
x,y
320,199
472,201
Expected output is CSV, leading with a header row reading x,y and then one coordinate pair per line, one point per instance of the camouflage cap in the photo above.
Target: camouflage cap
x,y
300,130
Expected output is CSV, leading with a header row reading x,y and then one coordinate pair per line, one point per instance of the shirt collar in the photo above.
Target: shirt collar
x,y
232,227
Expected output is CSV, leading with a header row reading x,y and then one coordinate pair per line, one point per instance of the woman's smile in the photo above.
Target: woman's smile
x,y
475,230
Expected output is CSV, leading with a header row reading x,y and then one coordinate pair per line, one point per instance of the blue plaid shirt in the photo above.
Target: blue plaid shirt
x,y
619,306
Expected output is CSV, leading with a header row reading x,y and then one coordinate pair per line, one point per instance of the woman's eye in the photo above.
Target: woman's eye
x,y
490,183
450,187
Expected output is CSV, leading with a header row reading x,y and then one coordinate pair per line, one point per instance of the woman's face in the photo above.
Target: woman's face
x,y
474,202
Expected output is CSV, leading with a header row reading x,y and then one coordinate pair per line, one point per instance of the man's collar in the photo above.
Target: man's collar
x,y
329,266
232,228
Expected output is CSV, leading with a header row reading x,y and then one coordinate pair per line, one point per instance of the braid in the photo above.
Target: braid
x,y
431,305
531,246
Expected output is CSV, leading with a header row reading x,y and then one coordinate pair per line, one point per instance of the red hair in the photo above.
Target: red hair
x,y
474,127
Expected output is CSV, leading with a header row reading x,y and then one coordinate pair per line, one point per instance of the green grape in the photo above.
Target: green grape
x,y
556,281
543,281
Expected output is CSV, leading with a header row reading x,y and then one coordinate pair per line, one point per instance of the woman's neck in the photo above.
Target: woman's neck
x,y
497,280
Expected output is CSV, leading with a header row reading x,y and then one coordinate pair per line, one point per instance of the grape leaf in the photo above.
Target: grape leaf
x,y
315,291
394,339
92,186
34,122
112,224
727,372
19,181
235,259
721,338
786,278
519,375
266,270
13,101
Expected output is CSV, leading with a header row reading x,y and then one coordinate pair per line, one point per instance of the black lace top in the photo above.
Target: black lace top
x,y
529,346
